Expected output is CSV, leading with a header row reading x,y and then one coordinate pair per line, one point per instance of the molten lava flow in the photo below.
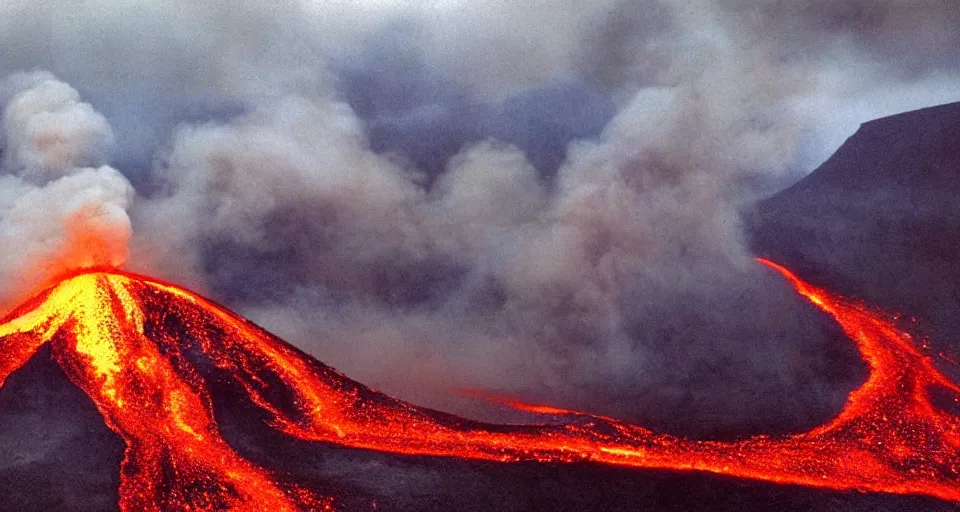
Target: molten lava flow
x,y
144,352
513,403
175,458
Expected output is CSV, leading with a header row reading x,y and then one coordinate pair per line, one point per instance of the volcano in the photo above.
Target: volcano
x,y
123,392
162,367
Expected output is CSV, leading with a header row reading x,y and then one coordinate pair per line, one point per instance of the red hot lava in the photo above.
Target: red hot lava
x,y
132,344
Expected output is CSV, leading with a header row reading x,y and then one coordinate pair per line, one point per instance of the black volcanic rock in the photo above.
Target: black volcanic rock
x,y
56,453
880,220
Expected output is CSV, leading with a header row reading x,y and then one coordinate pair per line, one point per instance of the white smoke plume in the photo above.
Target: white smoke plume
x,y
60,208
535,198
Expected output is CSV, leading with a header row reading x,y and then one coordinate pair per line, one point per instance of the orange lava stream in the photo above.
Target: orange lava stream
x,y
175,458
130,344
513,403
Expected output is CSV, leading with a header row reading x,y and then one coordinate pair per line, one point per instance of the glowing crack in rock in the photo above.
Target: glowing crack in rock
x,y
141,349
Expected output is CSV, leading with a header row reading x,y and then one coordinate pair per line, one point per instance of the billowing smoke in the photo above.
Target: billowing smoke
x,y
537,199
61,208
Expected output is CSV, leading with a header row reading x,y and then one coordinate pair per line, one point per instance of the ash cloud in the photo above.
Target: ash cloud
x,y
61,208
538,199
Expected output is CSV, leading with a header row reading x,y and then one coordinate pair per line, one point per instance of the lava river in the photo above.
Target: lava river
x,y
143,351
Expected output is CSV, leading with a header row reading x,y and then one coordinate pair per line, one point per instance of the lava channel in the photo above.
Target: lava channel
x,y
143,350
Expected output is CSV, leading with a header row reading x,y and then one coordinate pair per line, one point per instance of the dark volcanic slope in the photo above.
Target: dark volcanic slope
x,y
880,220
56,453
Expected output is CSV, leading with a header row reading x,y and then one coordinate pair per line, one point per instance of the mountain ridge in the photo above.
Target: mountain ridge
x,y
879,219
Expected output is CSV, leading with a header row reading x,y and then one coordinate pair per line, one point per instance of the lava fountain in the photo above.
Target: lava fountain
x,y
144,350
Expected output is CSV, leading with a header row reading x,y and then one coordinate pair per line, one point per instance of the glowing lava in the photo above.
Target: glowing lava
x,y
175,458
143,351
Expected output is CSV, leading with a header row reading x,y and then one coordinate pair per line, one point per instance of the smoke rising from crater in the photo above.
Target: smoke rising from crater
x,y
540,199
61,208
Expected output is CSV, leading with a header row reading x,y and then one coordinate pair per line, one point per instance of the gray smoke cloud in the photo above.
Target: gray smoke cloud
x,y
533,198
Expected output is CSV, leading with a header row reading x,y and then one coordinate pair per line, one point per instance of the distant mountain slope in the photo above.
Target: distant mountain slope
x,y
880,220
